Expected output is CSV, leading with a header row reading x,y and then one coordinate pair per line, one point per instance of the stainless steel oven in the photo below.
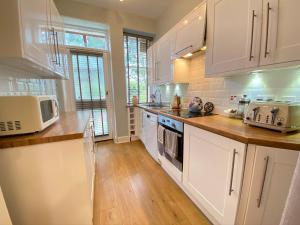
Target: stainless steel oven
x,y
176,127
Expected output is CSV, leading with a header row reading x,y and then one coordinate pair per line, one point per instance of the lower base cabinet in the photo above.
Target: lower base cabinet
x,y
213,172
267,184
51,183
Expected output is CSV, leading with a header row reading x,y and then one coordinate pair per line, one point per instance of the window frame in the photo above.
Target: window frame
x,y
149,41
84,36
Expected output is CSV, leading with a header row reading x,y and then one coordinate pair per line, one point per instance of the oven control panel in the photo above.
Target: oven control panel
x,y
169,122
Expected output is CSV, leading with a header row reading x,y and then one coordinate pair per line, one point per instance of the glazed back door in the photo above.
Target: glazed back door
x,y
91,90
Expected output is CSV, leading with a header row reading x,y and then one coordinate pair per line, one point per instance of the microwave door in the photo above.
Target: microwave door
x,y
47,111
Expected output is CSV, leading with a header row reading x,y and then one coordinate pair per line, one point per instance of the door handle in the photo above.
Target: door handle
x,y
190,46
232,171
267,30
263,182
252,35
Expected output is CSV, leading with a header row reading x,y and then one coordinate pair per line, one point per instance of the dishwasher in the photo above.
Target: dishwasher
x,y
150,134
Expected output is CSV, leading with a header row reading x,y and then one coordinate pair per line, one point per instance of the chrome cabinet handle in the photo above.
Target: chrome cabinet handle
x,y
232,171
57,47
54,45
267,30
252,34
190,46
263,182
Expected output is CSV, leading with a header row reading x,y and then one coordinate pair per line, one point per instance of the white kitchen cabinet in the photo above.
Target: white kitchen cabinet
x,y
90,149
4,215
269,185
190,32
280,32
163,62
212,173
258,34
233,35
175,71
25,37
150,132
56,40
141,133
50,183
151,64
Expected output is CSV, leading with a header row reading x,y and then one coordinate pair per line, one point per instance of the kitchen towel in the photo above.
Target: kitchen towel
x,y
171,141
291,214
160,139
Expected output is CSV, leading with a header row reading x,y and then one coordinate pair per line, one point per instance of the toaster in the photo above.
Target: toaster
x,y
280,116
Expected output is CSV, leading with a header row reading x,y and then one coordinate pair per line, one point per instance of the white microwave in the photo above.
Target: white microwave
x,y
27,114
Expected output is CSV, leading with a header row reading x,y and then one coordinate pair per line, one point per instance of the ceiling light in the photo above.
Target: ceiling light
x,y
188,55
200,18
185,22
121,0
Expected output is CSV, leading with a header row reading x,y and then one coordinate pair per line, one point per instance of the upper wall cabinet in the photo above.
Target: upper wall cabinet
x,y
190,32
280,32
30,40
233,38
259,34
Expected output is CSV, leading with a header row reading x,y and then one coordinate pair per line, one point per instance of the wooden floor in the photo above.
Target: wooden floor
x,y
131,188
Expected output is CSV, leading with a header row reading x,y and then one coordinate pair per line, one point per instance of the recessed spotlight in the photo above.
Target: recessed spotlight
x,y
188,55
203,48
185,22
121,0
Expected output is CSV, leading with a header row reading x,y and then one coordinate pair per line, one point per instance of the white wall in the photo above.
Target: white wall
x,y
279,83
116,21
175,12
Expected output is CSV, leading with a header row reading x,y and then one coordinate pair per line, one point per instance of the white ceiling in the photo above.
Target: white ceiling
x,y
147,8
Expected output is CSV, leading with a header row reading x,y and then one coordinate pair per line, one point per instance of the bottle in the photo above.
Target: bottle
x,y
242,107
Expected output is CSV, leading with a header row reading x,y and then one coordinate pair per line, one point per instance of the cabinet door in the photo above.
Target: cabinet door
x,y
33,16
212,173
193,24
150,65
271,179
280,32
233,35
89,148
163,60
4,215
59,50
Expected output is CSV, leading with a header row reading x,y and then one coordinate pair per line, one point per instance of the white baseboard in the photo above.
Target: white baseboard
x,y
124,139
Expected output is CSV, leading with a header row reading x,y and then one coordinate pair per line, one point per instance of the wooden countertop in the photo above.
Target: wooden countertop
x,y
71,125
237,130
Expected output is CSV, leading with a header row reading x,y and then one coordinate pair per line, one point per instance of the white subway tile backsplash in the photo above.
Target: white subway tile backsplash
x,y
12,82
279,84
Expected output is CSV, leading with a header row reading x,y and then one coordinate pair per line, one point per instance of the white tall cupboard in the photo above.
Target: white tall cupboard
x,y
250,35
212,173
32,38
266,185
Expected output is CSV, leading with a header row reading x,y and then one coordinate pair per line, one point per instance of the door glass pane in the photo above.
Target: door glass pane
x,y
89,86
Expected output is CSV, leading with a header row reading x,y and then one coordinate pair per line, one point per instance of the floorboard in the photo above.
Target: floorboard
x,y
132,189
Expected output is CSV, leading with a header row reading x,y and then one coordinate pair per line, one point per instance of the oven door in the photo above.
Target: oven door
x,y
174,167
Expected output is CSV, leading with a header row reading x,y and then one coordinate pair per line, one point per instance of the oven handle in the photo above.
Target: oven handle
x,y
167,128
